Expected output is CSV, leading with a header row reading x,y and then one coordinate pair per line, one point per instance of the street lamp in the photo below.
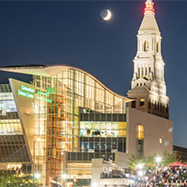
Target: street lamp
x,y
140,173
94,184
64,176
37,175
158,159
140,166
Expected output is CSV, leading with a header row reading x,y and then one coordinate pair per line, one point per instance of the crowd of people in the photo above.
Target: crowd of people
x,y
164,177
160,176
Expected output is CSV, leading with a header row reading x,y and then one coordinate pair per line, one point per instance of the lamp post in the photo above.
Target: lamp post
x,y
140,171
64,176
94,184
158,160
140,166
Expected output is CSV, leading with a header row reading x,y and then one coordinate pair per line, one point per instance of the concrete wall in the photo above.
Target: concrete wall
x,y
97,169
154,128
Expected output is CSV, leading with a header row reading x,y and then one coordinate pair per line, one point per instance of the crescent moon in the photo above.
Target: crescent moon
x,y
108,16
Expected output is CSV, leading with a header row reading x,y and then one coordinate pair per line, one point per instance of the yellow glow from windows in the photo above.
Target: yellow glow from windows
x,y
103,129
160,140
12,126
140,132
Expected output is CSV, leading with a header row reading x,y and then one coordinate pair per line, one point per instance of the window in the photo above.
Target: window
x,y
146,71
145,46
166,108
157,47
142,103
149,104
149,69
138,72
158,106
140,130
160,140
133,104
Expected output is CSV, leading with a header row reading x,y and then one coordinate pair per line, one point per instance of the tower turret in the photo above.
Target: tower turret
x,y
148,85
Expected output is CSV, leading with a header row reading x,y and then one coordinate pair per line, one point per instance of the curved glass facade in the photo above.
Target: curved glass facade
x,y
67,117
59,101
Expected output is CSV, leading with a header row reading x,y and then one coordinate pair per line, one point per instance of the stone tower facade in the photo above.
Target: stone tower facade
x,y
148,86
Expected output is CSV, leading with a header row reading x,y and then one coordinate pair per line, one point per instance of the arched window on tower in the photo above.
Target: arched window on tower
x,y
157,47
146,71
142,72
145,46
142,103
138,72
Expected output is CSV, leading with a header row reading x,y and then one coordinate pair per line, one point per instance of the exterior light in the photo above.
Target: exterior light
x,y
140,166
127,175
158,159
37,175
94,184
64,176
38,139
140,173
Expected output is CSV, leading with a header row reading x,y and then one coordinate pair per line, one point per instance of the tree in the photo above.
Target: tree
x,y
149,161
80,183
8,179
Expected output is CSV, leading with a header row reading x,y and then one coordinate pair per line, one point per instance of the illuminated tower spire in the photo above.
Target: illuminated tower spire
x,y
149,6
148,85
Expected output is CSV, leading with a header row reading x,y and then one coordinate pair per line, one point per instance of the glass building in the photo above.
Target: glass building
x,y
66,117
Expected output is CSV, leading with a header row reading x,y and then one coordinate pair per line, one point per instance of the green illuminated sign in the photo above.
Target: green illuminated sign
x,y
45,99
26,94
43,96
43,93
26,91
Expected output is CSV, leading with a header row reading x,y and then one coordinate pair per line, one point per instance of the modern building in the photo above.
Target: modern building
x,y
66,117
180,153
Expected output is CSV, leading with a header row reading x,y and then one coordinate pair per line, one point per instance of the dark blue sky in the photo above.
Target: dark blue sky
x,y
73,33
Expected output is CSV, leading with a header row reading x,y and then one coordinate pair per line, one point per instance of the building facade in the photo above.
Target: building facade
x,y
180,153
67,118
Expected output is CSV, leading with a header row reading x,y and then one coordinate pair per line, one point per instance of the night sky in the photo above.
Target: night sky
x,y
73,33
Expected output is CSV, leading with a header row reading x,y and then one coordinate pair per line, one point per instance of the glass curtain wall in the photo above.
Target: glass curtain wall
x,y
12,143
57,103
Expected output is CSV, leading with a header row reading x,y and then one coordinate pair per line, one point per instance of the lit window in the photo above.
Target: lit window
x,y
160,140
142,103
140,132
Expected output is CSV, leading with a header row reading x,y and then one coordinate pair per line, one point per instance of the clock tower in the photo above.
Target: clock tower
x,y
148,87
